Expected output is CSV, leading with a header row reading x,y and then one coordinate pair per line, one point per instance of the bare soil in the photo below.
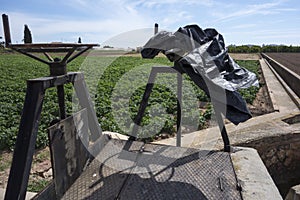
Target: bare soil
x,y
262,104
289,60
245,56
40,170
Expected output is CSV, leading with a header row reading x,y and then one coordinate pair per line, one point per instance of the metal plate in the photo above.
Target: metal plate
x,y
105,176
156,172
68,141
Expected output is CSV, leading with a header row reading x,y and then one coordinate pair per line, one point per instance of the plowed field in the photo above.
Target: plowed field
x,y
289,60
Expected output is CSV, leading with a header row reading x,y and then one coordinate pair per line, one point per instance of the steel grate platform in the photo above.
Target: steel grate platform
x,y
134,170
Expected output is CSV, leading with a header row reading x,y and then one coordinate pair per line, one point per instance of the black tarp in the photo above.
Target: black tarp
x,y
203,56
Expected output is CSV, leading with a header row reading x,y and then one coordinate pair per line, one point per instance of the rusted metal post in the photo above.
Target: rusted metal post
x,y
6,30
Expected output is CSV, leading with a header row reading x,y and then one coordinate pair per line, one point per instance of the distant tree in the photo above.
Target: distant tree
x,y
1,42
27,35
231,48
107,46
79,40
255,49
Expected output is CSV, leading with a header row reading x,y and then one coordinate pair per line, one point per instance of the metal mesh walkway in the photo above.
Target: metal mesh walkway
x,y
134,170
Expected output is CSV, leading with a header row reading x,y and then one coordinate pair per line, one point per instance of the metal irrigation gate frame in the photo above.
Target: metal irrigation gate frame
x,y
27,134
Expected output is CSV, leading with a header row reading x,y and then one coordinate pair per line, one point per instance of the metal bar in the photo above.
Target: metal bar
x,y
163,69
222,128
71,51
179,103
86,102
51,45
43,49
25,144
31,56
79,53
6,30
49,57
144,103
61,101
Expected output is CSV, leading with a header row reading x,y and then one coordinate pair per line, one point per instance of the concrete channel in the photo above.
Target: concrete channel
x,y
286,77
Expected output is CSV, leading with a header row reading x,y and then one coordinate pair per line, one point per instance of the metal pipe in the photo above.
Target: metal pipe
x,y
155,28
179,103
61,101
225,138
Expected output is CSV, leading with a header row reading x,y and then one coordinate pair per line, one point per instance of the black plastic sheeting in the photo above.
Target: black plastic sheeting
x,y
203,56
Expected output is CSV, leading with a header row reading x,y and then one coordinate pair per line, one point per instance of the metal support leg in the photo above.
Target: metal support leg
x,y
179,103
146,95
214,92
227,147
25,144
61,101
86,102
144,103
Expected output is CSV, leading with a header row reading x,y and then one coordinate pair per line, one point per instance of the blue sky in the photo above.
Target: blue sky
x,y
130,23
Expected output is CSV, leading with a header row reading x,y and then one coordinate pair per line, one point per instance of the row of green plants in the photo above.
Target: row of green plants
x,y
15,70
116,86
262,49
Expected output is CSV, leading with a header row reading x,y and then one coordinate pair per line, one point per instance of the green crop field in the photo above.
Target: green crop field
x,y
116,86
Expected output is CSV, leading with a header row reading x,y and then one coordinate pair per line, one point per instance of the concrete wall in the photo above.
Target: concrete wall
x,y
290,77
281,156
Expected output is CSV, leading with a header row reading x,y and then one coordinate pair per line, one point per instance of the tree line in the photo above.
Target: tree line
x,y
262,49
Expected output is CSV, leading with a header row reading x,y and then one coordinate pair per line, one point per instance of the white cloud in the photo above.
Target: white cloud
x,y
133,38
156,3
264,9
58,28
242,26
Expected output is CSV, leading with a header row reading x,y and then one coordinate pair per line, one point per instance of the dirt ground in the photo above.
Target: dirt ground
x,y
245,56
40,173
41,168
262,104
289,60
